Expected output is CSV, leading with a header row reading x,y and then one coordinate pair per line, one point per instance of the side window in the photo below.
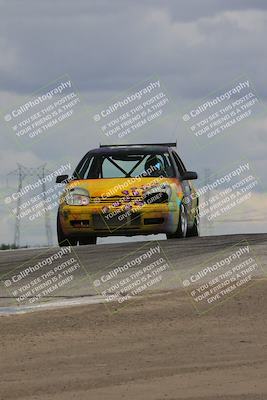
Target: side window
x,y
86,168
81,168
179,163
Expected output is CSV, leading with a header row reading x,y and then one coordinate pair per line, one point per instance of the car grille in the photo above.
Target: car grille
x,y
122,220
114,199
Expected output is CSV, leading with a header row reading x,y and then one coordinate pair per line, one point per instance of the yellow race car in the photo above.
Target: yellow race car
x,y
128,190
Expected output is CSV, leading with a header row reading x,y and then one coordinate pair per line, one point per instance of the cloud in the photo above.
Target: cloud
x,y
106,47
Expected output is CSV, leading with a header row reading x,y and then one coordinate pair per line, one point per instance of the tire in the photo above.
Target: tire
x,y
182,225
62,239
87,240
194,231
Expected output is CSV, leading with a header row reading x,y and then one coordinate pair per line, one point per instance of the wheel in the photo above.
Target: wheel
x,y
182,225
194,231
62,239
87,240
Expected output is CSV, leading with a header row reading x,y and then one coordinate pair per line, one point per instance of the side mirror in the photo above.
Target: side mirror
x,y
61,178
188,176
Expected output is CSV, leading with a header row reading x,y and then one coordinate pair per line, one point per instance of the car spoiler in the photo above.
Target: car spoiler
x,y
139,144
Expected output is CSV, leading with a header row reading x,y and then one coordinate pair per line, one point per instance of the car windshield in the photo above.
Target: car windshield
x,y
123,165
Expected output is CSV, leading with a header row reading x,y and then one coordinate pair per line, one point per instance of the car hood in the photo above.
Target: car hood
x,y
116,187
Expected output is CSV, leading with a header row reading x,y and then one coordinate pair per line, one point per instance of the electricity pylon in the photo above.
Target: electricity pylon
x,y
39,172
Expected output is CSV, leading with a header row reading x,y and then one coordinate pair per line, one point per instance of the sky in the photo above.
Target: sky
x,y
106,47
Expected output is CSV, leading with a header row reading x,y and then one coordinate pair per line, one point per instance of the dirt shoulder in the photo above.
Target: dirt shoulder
x,y
157,348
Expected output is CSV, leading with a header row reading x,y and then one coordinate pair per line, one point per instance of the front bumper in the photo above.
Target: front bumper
x,y
144,220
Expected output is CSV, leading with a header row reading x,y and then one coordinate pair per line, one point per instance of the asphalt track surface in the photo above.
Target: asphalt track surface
x,y
157,348
182,255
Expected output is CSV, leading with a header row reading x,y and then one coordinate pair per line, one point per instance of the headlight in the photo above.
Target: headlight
x,y
77,197
158,194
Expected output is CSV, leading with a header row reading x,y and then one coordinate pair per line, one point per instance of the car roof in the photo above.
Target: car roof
x,y
140,149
